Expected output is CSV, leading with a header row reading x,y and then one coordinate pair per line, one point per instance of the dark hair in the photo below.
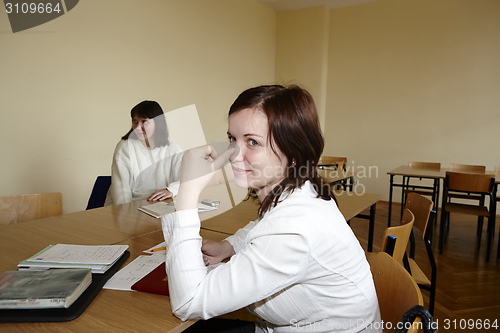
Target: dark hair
x,y
151,110
294,130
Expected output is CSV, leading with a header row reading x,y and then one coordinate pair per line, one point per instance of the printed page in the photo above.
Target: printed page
x,y
133,272
81,254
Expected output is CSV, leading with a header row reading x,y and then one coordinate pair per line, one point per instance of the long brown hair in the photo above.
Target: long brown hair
x,y
294,130
151,110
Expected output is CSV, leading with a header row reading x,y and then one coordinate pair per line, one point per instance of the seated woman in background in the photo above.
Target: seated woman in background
x,y
145,164
299,266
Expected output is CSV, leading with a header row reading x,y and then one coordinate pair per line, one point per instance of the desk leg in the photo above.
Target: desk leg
x,y
407,179
371,227
390,200
442,223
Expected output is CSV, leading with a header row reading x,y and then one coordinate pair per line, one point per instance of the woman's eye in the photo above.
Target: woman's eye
x,y
253,143
231,139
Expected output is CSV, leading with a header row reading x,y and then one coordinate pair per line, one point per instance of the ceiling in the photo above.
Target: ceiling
x,y
286,5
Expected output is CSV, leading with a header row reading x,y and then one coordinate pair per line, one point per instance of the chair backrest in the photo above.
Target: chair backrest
x,y
421,208
469,182
99,192
27,207
397,292
424,165
339,162
455,167
402,233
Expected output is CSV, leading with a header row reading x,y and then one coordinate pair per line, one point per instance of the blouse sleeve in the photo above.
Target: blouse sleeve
x,y
120,189
238,239
268,264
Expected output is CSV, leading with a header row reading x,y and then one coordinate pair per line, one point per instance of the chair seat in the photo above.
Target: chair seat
x,y
464,196
418,275
467,209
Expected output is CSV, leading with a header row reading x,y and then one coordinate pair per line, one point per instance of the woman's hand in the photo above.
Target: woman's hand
x,y
215,252
160,195
198,167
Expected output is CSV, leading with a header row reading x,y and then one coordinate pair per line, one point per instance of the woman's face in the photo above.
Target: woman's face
x,y
143,127
256,166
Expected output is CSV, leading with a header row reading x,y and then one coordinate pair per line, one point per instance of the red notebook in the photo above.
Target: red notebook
x,y
155,282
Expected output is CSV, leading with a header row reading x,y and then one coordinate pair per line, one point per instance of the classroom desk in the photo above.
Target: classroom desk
x,y
436,175
114,310
333,176
111,310
350,206
406,171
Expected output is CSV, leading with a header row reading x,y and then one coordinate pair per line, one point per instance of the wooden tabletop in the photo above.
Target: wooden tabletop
x,y
230,221
351,204
332,175
127,311
111,310
405,170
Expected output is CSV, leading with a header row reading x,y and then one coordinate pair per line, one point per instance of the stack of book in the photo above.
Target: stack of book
x,y
52,288
56,276
58,283
97,258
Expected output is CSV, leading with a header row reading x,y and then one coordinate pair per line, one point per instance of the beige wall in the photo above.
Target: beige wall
x,y
414,80
67,86
302,51
394,81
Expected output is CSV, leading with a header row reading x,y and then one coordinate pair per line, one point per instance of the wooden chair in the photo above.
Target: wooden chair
x,y
468,168
497,174
472,184
27,207
397,292
432,191
421,207
402,233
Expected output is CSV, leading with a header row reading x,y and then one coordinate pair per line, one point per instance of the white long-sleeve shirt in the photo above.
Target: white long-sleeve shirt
x,y
300,268
137,171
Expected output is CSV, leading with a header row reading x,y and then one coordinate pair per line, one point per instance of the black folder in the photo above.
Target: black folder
x,y
70,313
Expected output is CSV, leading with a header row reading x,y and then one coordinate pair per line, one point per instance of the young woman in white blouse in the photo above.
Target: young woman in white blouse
x,y
146,165
299,267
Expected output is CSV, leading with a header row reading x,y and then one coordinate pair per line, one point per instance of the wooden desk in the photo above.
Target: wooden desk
x,y
411,172
436,175
350,206
333,176
111,310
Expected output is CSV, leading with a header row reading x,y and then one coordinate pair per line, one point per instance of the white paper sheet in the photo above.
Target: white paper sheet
x,y
133,272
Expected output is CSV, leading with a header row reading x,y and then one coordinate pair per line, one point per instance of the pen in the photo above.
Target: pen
x,y
158,249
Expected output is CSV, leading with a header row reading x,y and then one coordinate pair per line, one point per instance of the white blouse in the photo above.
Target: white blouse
x,y
300,268
137,171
